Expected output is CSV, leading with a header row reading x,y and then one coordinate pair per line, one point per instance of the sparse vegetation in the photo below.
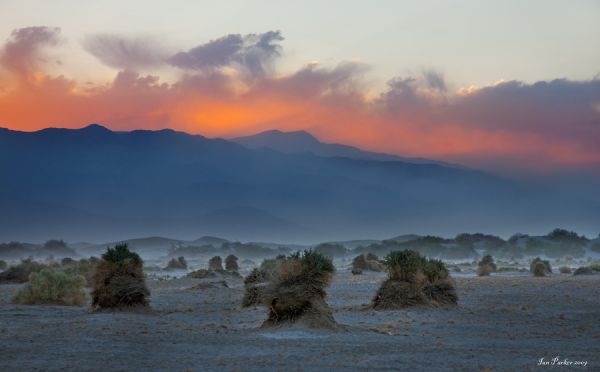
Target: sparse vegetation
x,y
177,264
297,292
20,273
539,267
231,263
52,286
118,281
486,266
565,270
215,263
414,280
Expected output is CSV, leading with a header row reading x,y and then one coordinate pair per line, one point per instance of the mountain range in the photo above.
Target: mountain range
x,y
95,184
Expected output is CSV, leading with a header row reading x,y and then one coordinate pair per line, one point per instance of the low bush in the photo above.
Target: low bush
x,y
565,270
539,267
254,285
215,263
297,291
486,266
118,280
414,280
595,266
52,286
583,270
177,264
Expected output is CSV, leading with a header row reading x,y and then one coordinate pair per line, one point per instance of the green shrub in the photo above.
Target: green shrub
x,y
118,280
595,266
404,265
52,287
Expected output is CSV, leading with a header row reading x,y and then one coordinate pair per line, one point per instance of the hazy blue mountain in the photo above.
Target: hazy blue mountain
x,y
94,184
301,141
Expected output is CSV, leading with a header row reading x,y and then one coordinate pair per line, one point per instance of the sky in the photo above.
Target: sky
x,y
505,85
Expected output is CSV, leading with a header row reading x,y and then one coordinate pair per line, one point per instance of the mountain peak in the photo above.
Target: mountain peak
x,y
97,128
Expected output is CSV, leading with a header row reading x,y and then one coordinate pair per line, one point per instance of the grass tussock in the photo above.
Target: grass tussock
x,y
231,263
179,263
539,267
414,280
52,286
486,266
297,291
215,263
118,281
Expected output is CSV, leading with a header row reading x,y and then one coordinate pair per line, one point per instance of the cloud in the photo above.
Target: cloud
x,y
22,52
124,53
253,52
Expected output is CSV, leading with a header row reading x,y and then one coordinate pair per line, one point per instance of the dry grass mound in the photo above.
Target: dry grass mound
x,y
254,285
177,264
215,263
486,266
539,267
52,286
231,263
414,280
118,281
297,292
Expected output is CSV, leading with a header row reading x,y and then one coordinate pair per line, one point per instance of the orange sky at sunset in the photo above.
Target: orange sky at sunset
x,y
543,125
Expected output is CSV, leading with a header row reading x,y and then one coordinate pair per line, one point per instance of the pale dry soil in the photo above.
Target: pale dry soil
x,y
501,323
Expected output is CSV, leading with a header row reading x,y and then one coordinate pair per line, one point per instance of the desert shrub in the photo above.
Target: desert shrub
x,y
118,281
414,280
52,286
231,263
3,265
565,270
215,263
404,265
254,285
486,266
201,274
177,264
20,273
583,270
297,291
359,263
539,267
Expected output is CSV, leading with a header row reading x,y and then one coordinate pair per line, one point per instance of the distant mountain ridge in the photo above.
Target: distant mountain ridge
x,y
94,184
302,141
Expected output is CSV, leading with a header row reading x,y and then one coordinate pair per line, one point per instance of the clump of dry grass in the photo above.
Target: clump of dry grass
x,y
52,286
486,266
539,267
414,280
297,291
215,263
254,285
565,270
118,281
231,263
177,264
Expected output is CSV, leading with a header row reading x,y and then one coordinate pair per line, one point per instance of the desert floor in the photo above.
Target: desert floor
x,y
502,323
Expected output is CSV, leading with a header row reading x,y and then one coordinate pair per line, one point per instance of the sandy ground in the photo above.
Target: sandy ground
x,y
502,323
